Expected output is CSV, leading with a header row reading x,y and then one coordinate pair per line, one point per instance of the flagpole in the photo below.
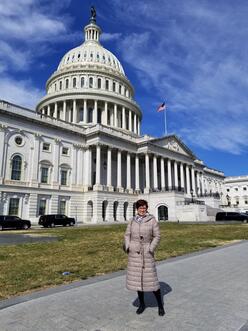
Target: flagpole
x,y
165,123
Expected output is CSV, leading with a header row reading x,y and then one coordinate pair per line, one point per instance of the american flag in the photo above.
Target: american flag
x,y
161,107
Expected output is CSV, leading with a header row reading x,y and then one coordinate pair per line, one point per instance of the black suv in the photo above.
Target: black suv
x,y
13,222
56,219
231,216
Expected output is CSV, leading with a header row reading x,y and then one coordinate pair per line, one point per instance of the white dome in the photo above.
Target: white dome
x,y
90,53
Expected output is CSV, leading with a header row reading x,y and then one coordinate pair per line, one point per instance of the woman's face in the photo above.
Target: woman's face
x,y
142,210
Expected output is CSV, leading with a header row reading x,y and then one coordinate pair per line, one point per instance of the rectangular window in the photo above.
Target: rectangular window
x,y
42,207
14,206
62,207
44,175
63,177
65,150
46,147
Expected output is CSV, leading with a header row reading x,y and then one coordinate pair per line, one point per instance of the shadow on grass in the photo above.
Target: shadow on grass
x,y
150,299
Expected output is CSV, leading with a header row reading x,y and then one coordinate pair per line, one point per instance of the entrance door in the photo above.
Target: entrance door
x,y
162,213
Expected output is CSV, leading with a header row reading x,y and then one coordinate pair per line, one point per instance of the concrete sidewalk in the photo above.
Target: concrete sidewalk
x,y
206,291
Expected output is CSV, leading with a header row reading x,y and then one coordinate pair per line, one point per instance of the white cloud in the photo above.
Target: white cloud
x,y
16,59
110,36
21,93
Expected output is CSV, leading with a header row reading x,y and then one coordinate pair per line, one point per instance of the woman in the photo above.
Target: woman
x,y
141,238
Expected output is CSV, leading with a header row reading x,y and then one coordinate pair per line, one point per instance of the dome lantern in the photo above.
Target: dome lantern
x,y
92,31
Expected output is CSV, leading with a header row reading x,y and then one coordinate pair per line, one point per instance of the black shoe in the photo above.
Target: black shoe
x,y
161,311
140,309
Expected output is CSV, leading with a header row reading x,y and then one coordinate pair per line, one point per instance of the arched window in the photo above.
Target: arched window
x,y
114,86
74,82
99,83
82,81
125,210
104,209
89,210
66,83
16,168
107,84
60,85
115,210
119,89
91,82
163,213
55,87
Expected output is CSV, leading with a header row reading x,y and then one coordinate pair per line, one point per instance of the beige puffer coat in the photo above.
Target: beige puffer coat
x,y
141,240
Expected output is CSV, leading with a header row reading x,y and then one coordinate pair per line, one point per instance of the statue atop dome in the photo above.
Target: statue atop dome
x,y
93,14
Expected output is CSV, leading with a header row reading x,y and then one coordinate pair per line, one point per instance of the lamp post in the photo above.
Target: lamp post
x,y
192,192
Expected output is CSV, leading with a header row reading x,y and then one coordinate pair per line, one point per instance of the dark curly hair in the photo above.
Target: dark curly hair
x,y
140,203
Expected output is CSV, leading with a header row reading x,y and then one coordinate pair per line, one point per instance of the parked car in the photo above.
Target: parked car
x,y
231,216
13,222
56,219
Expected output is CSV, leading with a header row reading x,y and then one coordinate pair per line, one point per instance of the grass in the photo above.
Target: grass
x,y
96,250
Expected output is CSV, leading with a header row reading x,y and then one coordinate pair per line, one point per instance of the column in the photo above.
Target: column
x,y
109,169
115,115
187,180
169,174
119,184
202,184
198,183
155,173
85,119
182,176
95,112
105,113
48,110
137,181
74,111
98,166
135,123
193,179
81,165
64,111
175,175
56,161
36,156
2,149
124,125
128,171
55,114
130,120
75,162
162,174
147,164
88,168
138,126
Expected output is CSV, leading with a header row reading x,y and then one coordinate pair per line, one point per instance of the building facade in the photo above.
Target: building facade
x,y
81,153
235,194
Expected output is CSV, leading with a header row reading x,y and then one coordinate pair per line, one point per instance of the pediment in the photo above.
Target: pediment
x,y
174,144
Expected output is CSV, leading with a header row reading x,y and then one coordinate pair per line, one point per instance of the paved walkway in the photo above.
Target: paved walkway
x,y
207,291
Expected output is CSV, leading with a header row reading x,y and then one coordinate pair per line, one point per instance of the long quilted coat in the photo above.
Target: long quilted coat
x,y
141,240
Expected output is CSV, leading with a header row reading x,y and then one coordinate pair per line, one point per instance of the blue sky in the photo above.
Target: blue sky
x,y
192,54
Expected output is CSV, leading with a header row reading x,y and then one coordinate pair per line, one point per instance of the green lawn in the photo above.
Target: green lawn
x,y
96,250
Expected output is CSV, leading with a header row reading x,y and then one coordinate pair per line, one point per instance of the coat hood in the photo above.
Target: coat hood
x,y
147,218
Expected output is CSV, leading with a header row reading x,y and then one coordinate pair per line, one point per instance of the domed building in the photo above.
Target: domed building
x,y
81,152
